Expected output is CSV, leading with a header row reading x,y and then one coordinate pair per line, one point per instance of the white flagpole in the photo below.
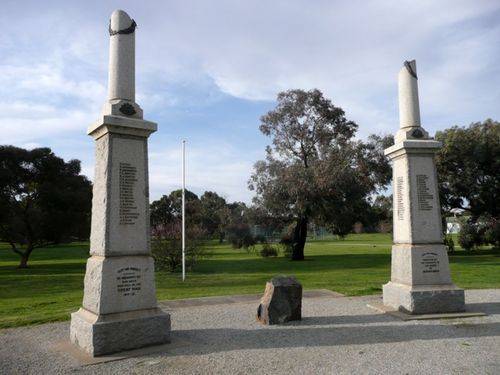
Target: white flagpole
x,y
183,210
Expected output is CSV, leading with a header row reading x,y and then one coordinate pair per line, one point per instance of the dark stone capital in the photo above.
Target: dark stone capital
x,y
128,30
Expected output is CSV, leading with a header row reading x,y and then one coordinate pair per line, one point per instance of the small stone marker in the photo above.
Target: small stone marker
x,y
420,273
282,301
119,309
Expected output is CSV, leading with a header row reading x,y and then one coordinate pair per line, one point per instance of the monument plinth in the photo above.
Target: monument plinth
x,y
119,310
420,273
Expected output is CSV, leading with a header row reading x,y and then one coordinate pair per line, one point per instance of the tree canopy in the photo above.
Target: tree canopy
x,y
214,214
468,167
315,168
168,208
43,200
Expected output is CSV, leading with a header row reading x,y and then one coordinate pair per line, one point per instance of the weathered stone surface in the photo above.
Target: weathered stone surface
x,y
416,206
118,284
282,301
121,84
420,264
420,273
111,333
120,226
119,305
428,299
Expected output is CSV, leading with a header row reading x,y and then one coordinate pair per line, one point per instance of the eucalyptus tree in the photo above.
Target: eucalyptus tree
x,y
43,200
315,168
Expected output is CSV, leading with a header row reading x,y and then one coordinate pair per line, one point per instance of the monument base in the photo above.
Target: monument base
x,y
424,299
111,333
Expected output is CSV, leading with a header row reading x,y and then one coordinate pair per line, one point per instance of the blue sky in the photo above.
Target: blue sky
x,y
207,71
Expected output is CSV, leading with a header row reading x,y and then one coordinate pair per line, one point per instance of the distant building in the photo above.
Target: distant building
x,y
452,225
453,222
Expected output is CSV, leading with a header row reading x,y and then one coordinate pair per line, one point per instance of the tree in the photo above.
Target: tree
x,y
166,245
240,236
168,209
266,224
161,211
314,168
43,200
166,230
213,214
469,236
468,165
237,213
379,216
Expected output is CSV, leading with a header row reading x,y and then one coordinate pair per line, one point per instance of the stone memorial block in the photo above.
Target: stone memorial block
x,y
119,310
282,301
420,273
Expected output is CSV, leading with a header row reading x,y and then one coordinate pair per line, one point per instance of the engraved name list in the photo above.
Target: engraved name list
x,y
423,196
128,207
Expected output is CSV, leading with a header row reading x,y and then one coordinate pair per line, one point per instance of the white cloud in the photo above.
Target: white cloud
x,y
216,166
53,62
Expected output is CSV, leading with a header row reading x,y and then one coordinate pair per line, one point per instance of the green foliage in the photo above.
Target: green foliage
x,y
468,165
378,216
488,229
485,230
214,214
168,209
211,213
268,251
491,233
162,211
43,200
315,169
449,243
286,242
166,246
240,236
469,237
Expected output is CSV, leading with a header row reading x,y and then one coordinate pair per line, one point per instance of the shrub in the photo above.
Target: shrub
x,y
240,236
449,243
166,246
489,230
492,234
484,230
468,238
286,243
268,251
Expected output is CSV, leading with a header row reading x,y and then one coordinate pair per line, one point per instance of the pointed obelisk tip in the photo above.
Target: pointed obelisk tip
x,y
410,67
120,20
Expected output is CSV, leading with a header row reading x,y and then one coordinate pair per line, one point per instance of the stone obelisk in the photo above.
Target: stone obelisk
x,y
420,273
119,310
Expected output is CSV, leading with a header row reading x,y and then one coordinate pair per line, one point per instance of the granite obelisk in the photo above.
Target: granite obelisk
x,y
119,310
420,273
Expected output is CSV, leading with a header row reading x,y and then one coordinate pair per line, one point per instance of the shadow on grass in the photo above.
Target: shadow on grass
x,y
312,263
465,257
35,269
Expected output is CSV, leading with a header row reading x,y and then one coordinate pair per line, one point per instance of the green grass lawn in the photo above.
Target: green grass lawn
x,y
53,285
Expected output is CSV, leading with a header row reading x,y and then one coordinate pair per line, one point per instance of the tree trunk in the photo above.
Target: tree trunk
x,y
24,261
222,235
299,238
24,257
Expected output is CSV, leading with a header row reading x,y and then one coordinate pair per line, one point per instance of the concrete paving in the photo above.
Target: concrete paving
x,y
337,335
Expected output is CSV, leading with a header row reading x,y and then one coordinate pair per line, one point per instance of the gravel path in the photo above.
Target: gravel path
x,y
337,335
